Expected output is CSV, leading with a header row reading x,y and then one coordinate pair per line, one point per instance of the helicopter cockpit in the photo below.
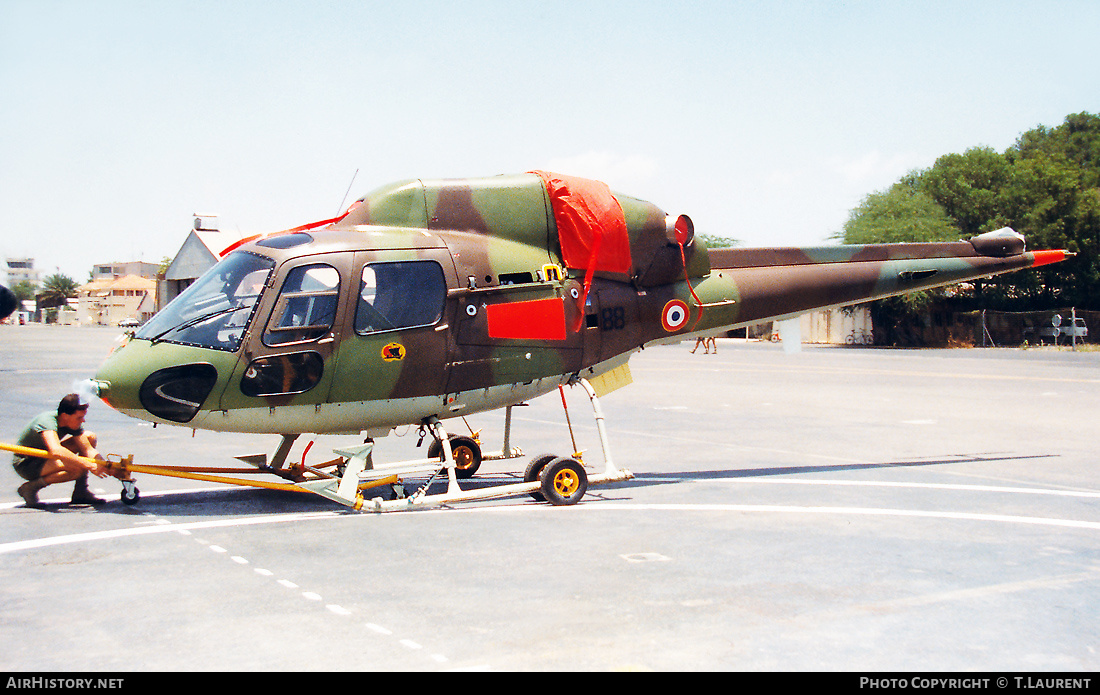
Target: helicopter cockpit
x,y
214,311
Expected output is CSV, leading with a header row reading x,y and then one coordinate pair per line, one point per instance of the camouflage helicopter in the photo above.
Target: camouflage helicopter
x,y
433,299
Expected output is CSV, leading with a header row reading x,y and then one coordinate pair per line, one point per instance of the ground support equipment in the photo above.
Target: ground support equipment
x,y
122,468
560,480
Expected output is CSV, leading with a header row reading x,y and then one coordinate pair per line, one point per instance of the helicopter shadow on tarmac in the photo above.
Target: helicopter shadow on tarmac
x,y
645,479
254,501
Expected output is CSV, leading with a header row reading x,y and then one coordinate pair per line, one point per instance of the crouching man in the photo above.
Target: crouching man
x,y
62,435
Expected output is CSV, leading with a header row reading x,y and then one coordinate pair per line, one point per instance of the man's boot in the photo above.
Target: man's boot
x,y
81,493
29,491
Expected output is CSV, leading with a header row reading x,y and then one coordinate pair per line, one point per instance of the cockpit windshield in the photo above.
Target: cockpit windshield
x,y
215,310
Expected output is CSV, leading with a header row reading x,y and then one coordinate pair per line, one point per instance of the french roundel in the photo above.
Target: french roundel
x,y
674,316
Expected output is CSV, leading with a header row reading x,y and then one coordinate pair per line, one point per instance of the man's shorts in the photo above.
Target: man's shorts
x,y
28,468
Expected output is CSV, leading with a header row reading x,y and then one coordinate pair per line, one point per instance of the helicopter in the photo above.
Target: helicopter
x,y
428,300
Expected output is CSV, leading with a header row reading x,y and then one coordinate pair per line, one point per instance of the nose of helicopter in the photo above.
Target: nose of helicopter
x,y
110,385
117,382
136,381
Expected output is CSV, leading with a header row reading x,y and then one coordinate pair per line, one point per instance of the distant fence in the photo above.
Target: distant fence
x,y
1000,328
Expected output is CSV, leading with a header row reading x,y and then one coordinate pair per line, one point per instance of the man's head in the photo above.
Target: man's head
x,y
70,404
71,410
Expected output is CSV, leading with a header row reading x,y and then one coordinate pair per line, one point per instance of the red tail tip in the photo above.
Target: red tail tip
x,y
1046,257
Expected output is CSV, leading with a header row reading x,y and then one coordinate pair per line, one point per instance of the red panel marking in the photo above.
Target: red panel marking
x,y
539,319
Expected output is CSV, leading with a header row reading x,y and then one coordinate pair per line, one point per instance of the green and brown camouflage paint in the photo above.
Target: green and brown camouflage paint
x,y
498,245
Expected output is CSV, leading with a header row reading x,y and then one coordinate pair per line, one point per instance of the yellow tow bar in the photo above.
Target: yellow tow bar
x,y
121,467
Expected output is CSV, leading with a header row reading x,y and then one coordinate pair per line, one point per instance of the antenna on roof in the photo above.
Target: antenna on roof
x,y
341,208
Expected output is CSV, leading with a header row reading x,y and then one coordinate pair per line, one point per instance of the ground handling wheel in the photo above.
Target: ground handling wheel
x,y
130,494
534,469
466,453
563,481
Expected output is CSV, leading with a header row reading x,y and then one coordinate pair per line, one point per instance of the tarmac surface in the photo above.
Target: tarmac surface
x,y
835,509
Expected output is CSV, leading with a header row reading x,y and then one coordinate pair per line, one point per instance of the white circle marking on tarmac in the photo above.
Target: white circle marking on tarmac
x,y
595,506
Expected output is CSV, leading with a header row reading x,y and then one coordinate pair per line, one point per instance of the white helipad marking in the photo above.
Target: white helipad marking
x,y
604,506
161,525
594,506
331,607
145,530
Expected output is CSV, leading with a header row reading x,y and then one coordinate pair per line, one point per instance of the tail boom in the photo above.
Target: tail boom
x,y
747,286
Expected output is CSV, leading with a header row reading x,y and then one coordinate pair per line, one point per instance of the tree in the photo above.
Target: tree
x,y
1045,186
1053,199
713,241
966,186
1078,139
900,213
57,288
24,290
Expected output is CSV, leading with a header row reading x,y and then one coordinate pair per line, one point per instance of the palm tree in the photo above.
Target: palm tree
x,y
56,289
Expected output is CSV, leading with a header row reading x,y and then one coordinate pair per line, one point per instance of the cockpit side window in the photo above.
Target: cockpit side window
x,y
306,306
402,294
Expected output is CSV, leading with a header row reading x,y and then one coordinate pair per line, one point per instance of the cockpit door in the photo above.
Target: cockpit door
x,y
289,352
393,352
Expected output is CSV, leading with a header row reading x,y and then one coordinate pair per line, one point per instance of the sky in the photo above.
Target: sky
x,y
766,122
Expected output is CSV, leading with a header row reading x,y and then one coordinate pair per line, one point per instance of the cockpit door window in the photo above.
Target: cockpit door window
x,y
306,307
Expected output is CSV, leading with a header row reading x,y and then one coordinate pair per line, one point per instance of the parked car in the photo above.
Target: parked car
x,y
129,323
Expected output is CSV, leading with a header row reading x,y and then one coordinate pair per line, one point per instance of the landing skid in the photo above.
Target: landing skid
x,y
560,480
